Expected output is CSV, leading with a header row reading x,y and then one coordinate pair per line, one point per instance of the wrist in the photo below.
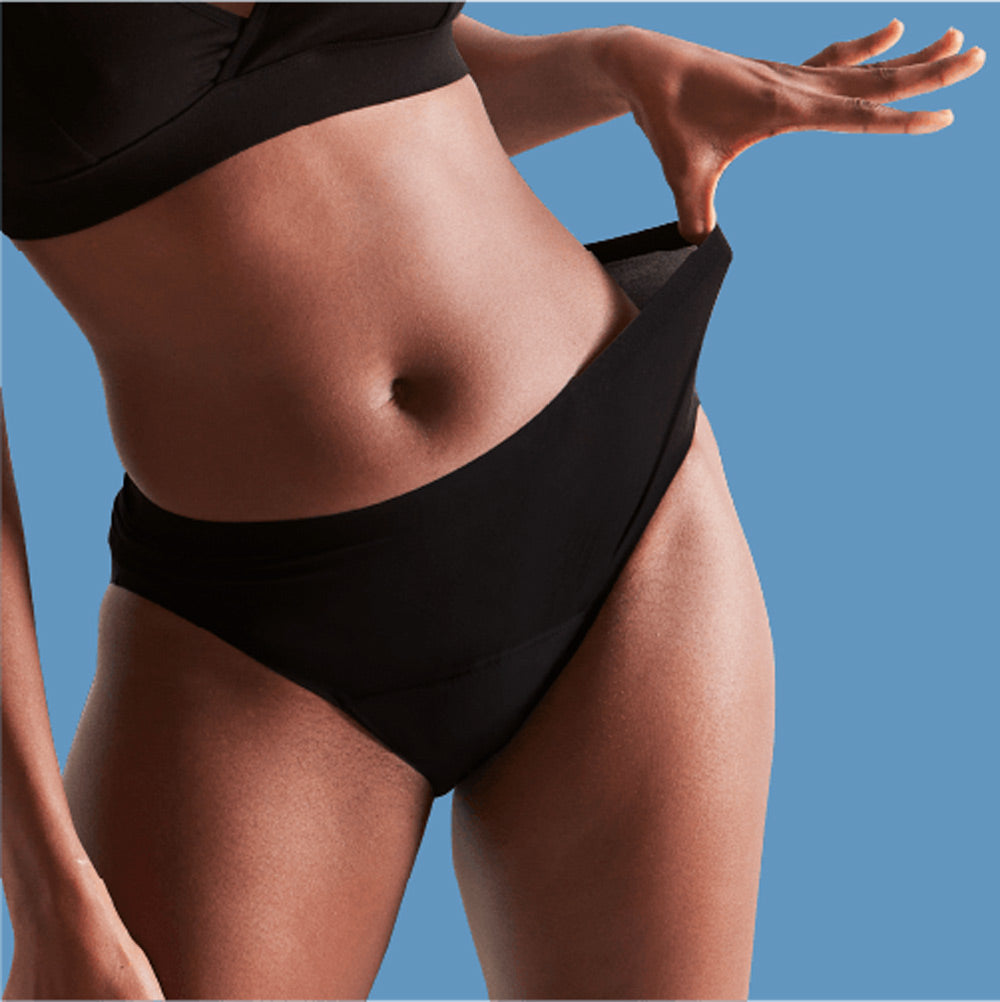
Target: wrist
x,y
591,61
47,882
614,50
640,66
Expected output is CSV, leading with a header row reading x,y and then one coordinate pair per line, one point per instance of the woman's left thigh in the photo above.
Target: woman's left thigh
x,y
612,848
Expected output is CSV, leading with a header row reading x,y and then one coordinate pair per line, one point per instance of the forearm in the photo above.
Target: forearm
x,y
537,88
42,854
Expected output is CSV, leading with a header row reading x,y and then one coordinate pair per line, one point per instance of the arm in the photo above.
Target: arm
x,y
43,860
700,107
68,939
537,88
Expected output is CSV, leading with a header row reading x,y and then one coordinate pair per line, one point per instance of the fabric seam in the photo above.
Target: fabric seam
x,y
481,663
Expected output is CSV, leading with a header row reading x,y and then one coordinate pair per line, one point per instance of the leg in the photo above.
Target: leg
x,y
255,840
612,849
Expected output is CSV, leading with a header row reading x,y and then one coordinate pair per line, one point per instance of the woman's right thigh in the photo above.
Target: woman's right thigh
x,y
256,841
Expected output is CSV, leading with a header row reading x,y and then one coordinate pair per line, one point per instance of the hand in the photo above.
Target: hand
x,y
84,953
701,108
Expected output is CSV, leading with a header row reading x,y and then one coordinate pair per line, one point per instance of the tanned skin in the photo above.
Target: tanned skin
x,y
396,304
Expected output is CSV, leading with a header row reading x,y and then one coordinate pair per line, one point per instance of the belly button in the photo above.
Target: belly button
x,y
427,399
401,393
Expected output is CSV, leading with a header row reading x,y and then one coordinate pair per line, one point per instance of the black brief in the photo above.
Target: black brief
x,y
439,618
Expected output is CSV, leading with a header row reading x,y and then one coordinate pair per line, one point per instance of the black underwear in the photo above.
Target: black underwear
x,y
439,618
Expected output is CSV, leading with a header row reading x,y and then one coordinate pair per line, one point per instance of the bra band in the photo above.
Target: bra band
x,y
259,91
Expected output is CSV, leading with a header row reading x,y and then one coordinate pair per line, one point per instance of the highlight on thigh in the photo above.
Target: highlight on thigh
x,y
255,840
612,849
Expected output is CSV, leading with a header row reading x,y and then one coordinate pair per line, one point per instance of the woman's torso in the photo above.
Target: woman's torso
x,y
333,316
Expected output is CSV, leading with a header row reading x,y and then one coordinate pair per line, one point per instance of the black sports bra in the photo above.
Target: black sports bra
x,y
106,105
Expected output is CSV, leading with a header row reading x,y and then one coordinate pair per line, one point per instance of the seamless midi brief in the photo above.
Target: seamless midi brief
x,y
439,618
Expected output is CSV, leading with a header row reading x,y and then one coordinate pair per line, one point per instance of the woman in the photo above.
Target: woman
x,y
234,277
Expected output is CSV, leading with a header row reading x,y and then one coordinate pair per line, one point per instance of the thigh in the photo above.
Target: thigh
x,y
612,849
255,840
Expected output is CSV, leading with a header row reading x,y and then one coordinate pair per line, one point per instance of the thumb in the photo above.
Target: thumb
x,y
695,198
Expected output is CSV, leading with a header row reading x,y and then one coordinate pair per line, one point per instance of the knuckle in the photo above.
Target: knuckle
x,y
865,111
885,74
783,71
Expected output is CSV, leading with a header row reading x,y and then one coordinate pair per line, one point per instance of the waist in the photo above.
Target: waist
x,y
322,408
334,316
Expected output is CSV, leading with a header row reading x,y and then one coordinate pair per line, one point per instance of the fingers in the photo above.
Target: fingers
x,y
854,51
947,45
878,82
858,115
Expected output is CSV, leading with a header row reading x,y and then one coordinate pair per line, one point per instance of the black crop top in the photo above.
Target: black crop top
x,y
106,105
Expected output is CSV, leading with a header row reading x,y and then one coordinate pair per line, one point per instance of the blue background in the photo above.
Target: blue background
x,y
850,375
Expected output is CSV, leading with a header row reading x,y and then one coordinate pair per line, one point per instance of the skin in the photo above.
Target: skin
x,y
644,770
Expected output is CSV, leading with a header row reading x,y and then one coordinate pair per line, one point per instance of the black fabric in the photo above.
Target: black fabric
x,y
438,618
106,105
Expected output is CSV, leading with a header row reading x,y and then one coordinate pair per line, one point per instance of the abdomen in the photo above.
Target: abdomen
x,y
333,316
